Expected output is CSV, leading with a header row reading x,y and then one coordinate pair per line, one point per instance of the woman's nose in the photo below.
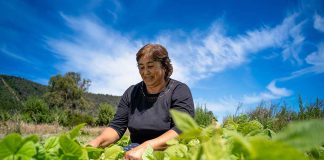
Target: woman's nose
x,y
146,71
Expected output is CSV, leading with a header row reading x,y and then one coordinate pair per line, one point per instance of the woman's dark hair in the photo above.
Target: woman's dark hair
x,y
159,54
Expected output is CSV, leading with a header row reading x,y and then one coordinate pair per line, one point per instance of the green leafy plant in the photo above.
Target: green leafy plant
x,y
299,141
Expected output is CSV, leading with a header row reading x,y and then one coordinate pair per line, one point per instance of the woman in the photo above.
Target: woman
x,y
144,107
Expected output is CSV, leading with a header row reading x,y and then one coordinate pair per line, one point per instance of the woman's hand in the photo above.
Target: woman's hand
x,y
136,153
107,137
93,143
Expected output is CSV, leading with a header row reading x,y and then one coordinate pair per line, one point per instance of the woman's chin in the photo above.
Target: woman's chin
x,y
148,83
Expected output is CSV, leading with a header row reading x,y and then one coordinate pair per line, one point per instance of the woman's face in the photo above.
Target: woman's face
x,y
151,71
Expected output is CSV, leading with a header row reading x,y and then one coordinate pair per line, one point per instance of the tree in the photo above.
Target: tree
x,y
67,91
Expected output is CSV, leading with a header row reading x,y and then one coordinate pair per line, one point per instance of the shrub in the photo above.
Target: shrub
x,y
37,111
247,127
203,117
4,116
71,118
106,114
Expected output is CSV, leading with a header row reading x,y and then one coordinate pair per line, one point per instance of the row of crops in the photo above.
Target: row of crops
x,y
299,141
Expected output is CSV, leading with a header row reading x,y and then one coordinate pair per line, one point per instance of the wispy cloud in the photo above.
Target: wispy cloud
x,y
107,56
14,55
318,23
208,52
114,10
315,61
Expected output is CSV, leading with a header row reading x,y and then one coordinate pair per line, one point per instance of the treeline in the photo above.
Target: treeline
x,y
14,91
273,116
65,101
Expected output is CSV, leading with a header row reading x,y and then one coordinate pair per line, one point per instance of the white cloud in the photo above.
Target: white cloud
x,y
273,92
278,91
318,23
103,55
205,53
287,36
228,105
257,98
107,57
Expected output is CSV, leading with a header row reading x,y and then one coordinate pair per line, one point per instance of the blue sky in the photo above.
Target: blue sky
x,y
228,52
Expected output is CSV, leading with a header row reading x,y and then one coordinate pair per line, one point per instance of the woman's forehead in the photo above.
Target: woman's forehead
x,y
146,59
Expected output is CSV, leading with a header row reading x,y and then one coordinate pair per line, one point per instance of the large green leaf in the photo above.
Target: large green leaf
x,y
183,121
158,155
94,153
148,153
76,130
51,143
69,157
27,151
191,134
14,146
303,135
273,150
178,150
69,147
10,145
193,143
197,154
33,138
124,141
113,152
239,145
172,142
213,149
207,133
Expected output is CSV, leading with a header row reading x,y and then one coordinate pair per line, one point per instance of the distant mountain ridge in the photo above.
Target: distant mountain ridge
x,y
15,90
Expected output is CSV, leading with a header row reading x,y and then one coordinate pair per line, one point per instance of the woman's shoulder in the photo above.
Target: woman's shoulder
x,y
132,89
180,91
137,85
177,85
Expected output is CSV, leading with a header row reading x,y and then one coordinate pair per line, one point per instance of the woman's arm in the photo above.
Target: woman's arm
x,y
107,137
158,143
117,126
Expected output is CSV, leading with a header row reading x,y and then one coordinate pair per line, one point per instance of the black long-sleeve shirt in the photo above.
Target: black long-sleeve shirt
x,y
146,115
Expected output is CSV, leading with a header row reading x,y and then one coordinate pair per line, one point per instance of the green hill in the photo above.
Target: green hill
x,y
15,90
